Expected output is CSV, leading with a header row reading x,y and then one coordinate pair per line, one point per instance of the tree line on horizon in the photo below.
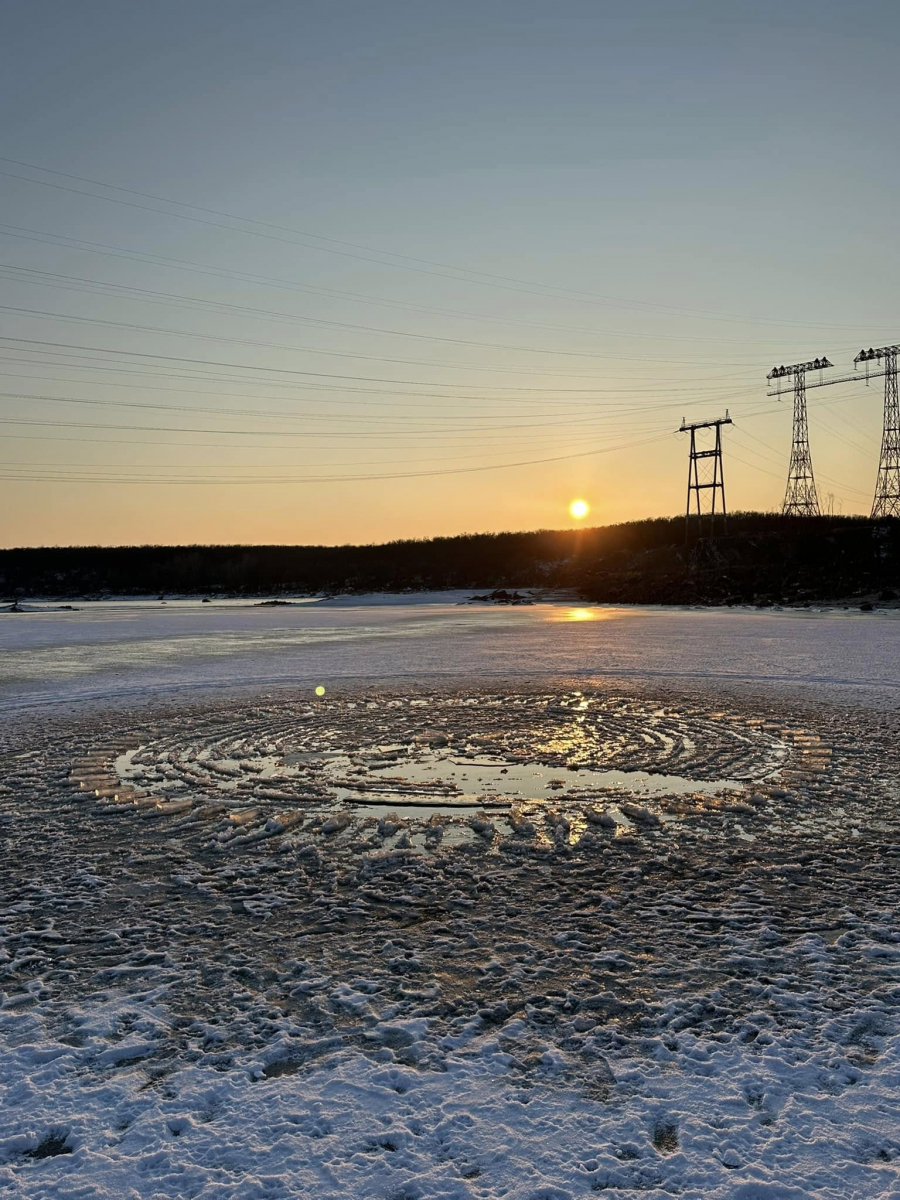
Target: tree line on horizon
x,y
764,557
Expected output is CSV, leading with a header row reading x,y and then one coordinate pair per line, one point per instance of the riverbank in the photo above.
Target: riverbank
x,y
764,559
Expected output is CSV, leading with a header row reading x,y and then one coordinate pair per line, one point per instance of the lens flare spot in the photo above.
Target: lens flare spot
x,y
320,691
579,509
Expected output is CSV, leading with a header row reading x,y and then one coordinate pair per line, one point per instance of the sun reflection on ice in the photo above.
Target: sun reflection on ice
x,y
582,614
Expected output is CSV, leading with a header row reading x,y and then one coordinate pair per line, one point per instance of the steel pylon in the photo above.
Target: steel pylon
x,y
800,498
713,480
887,486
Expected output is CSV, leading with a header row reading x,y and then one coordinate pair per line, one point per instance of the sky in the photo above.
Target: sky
x,y
293,272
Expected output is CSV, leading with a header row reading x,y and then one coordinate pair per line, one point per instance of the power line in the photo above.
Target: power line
x,y
519,442
427,266
68,465
152,371
86,246
460,278
209,337
843,439
145,257
269,413
272,370
175,300
47,478
391,437
501,404
781,458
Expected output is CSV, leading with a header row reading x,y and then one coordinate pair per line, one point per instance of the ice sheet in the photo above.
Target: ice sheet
x,y
124,648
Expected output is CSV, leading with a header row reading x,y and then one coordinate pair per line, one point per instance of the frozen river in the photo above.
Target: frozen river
x,y
532,903
108,649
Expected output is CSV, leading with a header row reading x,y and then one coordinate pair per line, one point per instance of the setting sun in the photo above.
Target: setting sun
x,y
579,509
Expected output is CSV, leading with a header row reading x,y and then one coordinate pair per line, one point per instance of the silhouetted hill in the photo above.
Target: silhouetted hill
x,y
764,557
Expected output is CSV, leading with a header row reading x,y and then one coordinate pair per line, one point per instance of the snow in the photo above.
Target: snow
x,y
762,1122
221,977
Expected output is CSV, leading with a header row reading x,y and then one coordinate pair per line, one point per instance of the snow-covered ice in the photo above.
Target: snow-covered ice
x,y
433,935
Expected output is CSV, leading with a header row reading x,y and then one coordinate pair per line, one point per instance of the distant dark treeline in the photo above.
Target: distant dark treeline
x,y
764,556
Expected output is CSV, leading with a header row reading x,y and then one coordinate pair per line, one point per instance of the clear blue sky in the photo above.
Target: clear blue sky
x,y
577,225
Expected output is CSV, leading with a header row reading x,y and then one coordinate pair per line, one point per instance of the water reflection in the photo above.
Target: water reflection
x,y
432,774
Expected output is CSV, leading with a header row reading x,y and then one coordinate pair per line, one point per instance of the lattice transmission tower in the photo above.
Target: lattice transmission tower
x,y
705,473
887,485
800,498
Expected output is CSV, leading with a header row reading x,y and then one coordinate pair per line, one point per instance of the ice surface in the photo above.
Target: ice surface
x,y
128,648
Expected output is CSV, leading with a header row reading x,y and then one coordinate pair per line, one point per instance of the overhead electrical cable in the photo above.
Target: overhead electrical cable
x,y
45,314
387,475
380,421
377,434
560,418
370,398
407,262
275,370
778,462
101,287
98,442
154,372
148,258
